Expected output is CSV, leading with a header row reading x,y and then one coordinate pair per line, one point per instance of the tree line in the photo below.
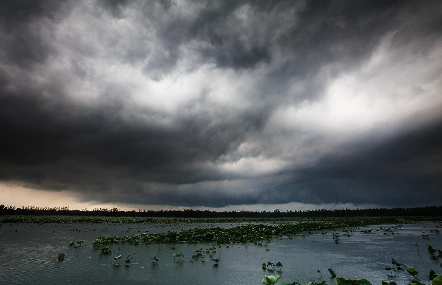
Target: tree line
x,y
190,213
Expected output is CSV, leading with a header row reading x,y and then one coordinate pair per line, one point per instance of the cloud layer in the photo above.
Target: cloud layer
x,y
217,103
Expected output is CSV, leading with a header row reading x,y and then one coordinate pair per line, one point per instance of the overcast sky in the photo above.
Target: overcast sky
x,y
221,104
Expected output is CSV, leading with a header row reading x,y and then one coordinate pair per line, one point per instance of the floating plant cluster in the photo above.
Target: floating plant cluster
x,y
413,272
270,266
396,267
258,233
432,251
254,233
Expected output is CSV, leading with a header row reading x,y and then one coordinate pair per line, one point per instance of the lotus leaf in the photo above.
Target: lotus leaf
x,y
437,280
279,265
410,269
342,281
270,280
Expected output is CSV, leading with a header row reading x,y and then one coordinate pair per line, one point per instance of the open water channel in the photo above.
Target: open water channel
x,y
28,255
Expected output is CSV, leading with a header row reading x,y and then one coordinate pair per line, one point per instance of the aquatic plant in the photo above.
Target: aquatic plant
x,y
273,279
61,256
401,266
213,249
76,245
178,255
253,233
437,280
270,266
270,280
432,274
343,281
279,265
238,234
414,279
155,260
410,269
106,250
197,254
129,258
432,251
336,237
62,219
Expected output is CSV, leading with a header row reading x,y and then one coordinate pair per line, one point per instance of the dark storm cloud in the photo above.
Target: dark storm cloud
x,y
340,32
402,171
72,116
20,44
35,133
21,11
66,146
115,6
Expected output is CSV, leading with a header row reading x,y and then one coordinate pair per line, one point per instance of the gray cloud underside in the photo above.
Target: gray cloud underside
x,y
70,121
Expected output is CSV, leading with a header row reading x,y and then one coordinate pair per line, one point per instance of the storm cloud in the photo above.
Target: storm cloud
x,y
218,103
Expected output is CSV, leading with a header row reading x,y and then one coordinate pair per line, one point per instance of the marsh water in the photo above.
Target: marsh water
x,y
28,255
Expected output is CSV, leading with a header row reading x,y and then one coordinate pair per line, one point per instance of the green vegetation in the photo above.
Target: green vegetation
x,y
41,219
128,259
76,245
155,260
106,250
190,213
396,266
178,255
343,281
270,280
243,230
415,280
437,280
254,233
131,220
432,251
258,233
270,266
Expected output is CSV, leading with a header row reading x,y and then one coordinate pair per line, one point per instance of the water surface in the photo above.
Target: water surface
x,y
29,256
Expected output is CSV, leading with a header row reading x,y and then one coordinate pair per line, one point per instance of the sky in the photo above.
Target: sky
x,y
221,104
